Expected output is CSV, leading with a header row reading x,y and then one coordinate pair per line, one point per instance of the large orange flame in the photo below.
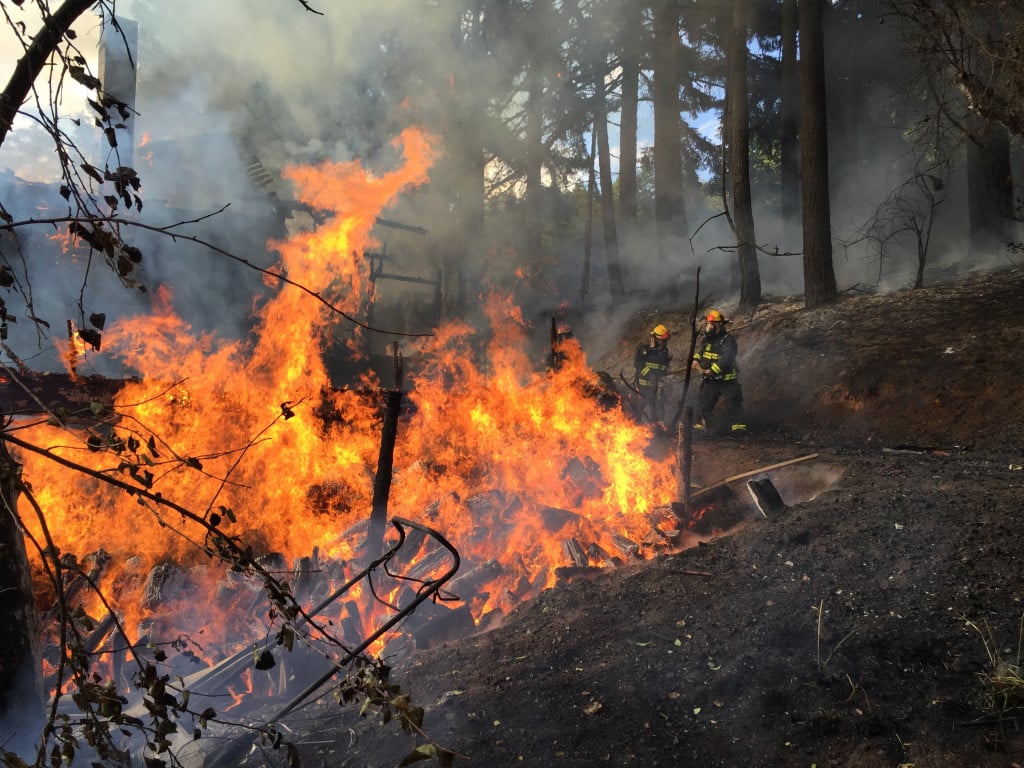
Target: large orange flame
x,y
485,424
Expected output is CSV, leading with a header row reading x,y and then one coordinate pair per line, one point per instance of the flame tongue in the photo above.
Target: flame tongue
x,y
507,461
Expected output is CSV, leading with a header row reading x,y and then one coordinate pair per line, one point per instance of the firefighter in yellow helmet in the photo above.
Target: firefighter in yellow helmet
x,y
715,359
651,361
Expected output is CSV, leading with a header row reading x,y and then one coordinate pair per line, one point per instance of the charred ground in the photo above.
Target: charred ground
x,y
857,628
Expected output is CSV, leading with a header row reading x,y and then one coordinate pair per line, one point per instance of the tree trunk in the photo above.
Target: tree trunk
x,y
588,232
739,159
43,46
669,206
632,26
537,63
534,153
21,684
611,236
819,273
790,126
989,192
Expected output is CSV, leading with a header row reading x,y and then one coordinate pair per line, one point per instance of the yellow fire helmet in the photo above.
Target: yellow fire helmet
x,y
714,316
660,332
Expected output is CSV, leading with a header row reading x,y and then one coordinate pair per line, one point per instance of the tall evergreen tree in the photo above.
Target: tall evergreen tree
x,y
819,273
630,47
669,202
789,123
611,237
738,127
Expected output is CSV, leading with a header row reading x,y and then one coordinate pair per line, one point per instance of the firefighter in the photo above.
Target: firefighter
x,y
651,361
715,359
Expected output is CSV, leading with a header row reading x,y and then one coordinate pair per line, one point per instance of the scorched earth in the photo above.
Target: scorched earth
x,y
876,621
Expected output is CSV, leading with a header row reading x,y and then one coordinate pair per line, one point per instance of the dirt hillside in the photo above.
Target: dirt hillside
x,y
875,621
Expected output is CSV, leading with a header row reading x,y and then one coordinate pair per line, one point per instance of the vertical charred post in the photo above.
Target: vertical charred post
x,y
686,456
385,461
21,682
553,354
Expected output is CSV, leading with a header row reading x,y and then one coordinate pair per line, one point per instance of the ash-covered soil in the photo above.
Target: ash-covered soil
x,y
868,624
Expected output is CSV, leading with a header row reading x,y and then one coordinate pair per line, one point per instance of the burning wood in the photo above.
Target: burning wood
x,y
629,548
600,557
575,552
93,566
33,393
470,582
436,623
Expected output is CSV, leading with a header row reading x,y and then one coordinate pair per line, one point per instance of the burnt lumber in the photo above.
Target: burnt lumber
x,y
575,552
601,557
92,568
34,393
434,623
743,475
766,497
629,548
470,582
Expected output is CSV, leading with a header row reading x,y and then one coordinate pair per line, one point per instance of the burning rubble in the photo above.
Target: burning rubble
x,y
528,475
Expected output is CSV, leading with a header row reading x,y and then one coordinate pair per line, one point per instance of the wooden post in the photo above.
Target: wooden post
x,y
385,462
687,455
684,463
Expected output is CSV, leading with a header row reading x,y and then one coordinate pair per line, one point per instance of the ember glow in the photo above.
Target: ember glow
x,y
507,460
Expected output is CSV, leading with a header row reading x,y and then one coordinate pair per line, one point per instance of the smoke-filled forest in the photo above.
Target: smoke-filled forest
x,y
280,288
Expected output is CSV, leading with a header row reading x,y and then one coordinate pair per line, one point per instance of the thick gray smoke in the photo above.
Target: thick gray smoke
x,y
230,93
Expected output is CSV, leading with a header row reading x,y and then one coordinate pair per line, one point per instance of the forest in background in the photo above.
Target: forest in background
x,y
859,143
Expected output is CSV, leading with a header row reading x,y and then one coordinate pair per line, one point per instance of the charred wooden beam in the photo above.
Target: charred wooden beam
x,y
600,556
408,554
555,518
468,583
567,573
33,393
575,552
385,462
629,548
93,567
733,478
400,225
429,563
352,624
435,623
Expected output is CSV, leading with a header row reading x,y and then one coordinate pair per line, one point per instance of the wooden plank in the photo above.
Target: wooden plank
x,y
743,475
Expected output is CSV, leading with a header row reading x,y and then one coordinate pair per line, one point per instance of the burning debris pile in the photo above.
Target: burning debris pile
x,y
528,475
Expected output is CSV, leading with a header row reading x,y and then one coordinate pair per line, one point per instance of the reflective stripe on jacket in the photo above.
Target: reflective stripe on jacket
x,y
716,355
651,364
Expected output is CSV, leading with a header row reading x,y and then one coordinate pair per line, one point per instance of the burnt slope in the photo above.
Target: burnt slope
x,y
853,629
